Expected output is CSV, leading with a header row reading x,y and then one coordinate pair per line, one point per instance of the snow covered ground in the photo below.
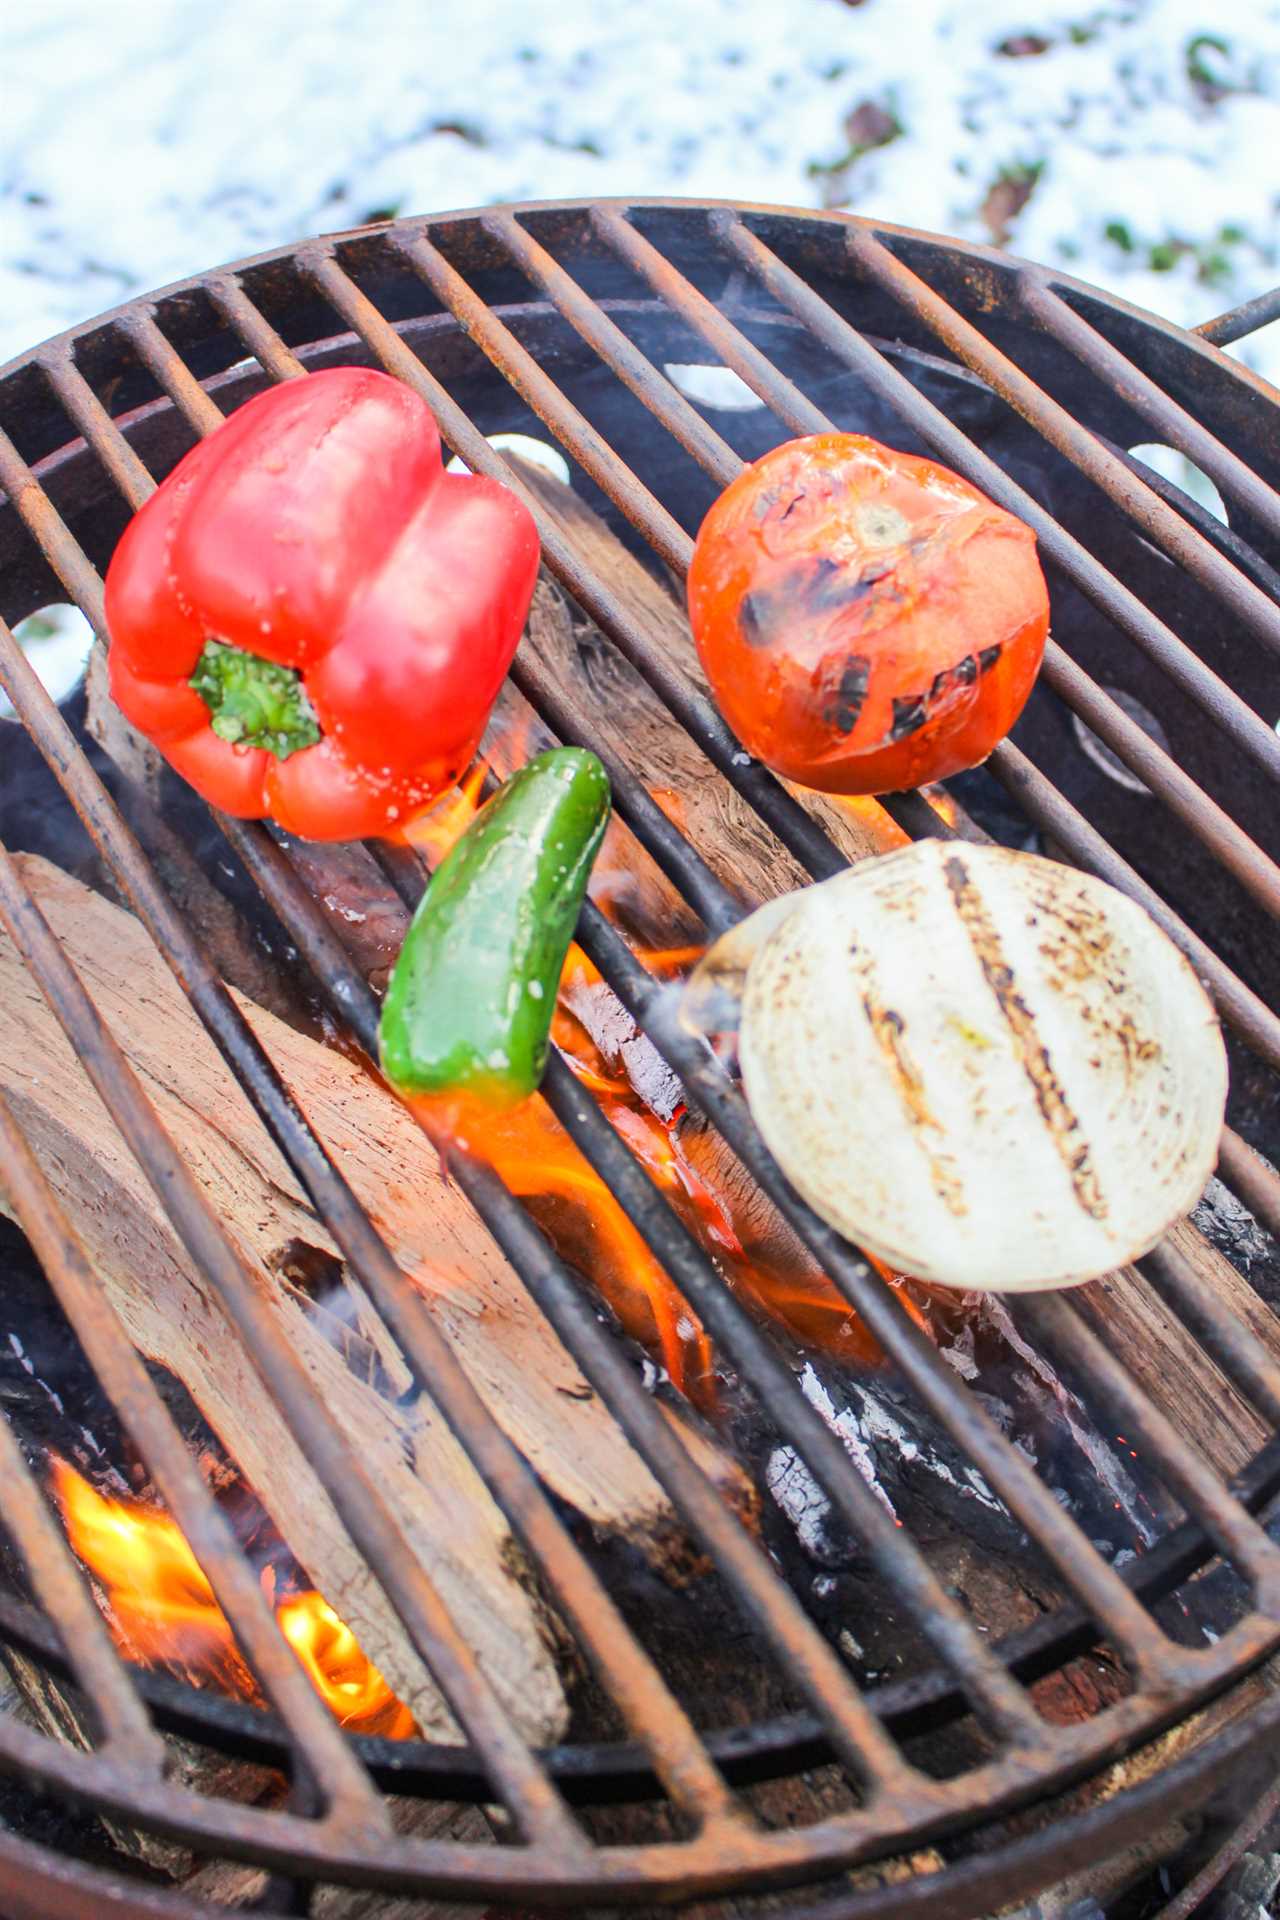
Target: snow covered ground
x,y
1133,143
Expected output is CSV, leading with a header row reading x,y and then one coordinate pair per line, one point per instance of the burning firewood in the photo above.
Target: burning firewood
x,y
528,1379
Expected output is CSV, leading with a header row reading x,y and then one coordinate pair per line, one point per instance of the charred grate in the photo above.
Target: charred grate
x,y
521,299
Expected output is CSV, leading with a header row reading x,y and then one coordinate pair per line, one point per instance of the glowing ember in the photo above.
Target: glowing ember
x,y
670,959
162,1611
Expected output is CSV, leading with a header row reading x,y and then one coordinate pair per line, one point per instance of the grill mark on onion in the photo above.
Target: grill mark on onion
x,y
1059,1116
889,1028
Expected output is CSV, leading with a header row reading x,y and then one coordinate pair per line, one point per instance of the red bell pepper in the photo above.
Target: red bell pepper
x,y
310,618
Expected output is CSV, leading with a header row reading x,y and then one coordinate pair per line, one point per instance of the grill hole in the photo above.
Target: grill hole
x,y
539,453
1184,473
718,389
56,641
1101,754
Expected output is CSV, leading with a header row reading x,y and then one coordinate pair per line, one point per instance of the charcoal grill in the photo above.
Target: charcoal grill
x,y
1033,386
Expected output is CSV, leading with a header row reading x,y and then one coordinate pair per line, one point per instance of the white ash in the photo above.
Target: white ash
x,y
1230,1226
802,1501
1105,1463
960,1354
848,1430
881,1423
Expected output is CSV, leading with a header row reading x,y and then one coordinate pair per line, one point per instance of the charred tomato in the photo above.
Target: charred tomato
x,y
868,620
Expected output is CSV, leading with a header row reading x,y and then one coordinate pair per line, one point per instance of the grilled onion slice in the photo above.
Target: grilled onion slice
x,y
990,1070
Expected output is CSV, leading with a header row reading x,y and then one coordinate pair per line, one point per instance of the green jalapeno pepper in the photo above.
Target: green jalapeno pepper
x,y
469,1006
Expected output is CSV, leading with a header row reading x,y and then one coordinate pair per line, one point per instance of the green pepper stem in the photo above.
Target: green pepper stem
x,y
254,702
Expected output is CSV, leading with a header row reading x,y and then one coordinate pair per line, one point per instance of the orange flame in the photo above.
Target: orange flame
x,y
531,1152
435,831
879,827
162,1610
941,802
349,1684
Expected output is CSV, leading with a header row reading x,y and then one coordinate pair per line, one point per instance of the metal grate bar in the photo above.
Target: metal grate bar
x,y
998,1700
781,395
1050,809
918,817
1230,845
167,366
321,1754
1096,1584
1159,642
99,429
524,1788
1074,441
654,1716
653,389
257,333
533,384
1239,1353
1194,1896
1254,1179
1225,538
51,533
1089,1364
1234,325
58,1584
1160,772
659,836
84,407
1170,420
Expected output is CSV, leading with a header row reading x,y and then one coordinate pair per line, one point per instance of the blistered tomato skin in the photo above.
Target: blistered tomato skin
x,y
869,622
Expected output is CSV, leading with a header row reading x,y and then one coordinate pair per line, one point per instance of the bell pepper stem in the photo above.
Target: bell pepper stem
x,y
254,702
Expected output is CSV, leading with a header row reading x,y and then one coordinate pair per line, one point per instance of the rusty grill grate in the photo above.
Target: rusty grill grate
x,y
429,301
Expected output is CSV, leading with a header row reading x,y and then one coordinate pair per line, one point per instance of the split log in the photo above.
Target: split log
x,y
1173,1370
518,1365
